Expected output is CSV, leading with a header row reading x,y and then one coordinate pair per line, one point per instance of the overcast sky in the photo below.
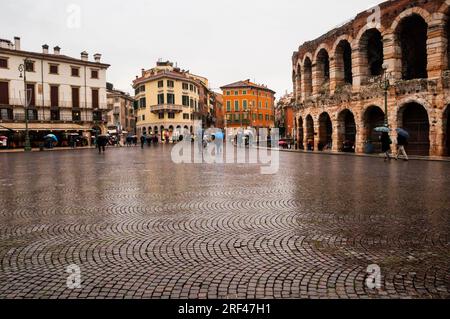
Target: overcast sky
x,y
225,41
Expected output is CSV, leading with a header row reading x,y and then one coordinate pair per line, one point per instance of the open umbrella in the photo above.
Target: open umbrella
x,y
382,129
402,132
52,136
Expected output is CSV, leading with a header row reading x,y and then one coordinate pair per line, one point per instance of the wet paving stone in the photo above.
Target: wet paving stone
x,y
139,226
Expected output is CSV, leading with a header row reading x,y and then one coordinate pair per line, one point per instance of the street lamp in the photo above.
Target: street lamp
x,y
385,85
23,70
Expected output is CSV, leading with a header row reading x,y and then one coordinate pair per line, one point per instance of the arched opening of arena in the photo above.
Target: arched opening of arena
x,y
373,118
446,123
298,81
346,131
310,133
300,133
325,132
412,37
307,74
323,69
371,50
343,58
413,117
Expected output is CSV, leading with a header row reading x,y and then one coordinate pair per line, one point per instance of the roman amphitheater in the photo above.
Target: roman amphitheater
x,y
398,49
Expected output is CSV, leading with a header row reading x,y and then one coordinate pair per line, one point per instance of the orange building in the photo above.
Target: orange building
x,y
247,104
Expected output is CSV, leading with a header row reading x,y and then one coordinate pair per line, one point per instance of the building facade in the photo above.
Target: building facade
x,y
121,118
400,48
170,100
285,116
218,110
247,104
65,95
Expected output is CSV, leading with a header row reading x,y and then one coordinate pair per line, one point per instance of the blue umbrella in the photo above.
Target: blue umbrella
x,y
402,132
52,136
382,129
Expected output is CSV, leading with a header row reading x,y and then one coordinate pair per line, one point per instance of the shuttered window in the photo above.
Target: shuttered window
x,y
3,63
54,95
76,98
53,69
95,99
4,93
31,96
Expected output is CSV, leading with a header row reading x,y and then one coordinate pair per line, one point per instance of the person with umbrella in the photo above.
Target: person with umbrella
x,y
386,141
142,141
402,142
102,140
50,139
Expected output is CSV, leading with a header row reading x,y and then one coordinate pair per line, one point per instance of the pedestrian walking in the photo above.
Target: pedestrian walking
x,y
142,141
386,143
402,142
101,143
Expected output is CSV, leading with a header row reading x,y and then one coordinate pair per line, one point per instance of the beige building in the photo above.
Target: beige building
x,y
169,99
121,116
66,95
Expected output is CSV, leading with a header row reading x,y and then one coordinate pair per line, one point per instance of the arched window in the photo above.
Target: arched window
x,y
307,74
343,58
371,50
412,37
323,67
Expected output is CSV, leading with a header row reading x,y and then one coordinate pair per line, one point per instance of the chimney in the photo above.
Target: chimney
x,y
97,57
84,56
142,72
45,49
56,50
17,43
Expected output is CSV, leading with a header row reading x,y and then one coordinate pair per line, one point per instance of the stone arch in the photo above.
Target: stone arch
x,y
446,131
155,130
310,132
322,69
298,81
373,117
371,52
301,132
414,118
344,37
346,131
343,62
409,12
307,78
325,132
410,36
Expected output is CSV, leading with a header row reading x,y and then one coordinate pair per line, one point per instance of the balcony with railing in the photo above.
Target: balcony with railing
x,y
61,104
166,108
56,117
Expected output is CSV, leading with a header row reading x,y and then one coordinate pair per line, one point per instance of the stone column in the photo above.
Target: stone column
x,y
436,48
338,133
316,133
336,74
359,68
361,134
316,78
392,55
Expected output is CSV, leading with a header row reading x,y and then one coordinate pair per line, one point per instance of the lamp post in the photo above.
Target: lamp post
x,y
23,70
385,85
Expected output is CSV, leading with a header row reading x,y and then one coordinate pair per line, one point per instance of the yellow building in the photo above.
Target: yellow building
x,y
168,100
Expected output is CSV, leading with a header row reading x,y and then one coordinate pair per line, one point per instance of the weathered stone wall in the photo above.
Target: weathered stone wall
x,y
316,94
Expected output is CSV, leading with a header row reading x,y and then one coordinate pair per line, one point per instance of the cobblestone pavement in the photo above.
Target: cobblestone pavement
x,y
139,226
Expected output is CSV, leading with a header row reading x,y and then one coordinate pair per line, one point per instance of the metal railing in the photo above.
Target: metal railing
x,y
166,108
60,104
39,117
